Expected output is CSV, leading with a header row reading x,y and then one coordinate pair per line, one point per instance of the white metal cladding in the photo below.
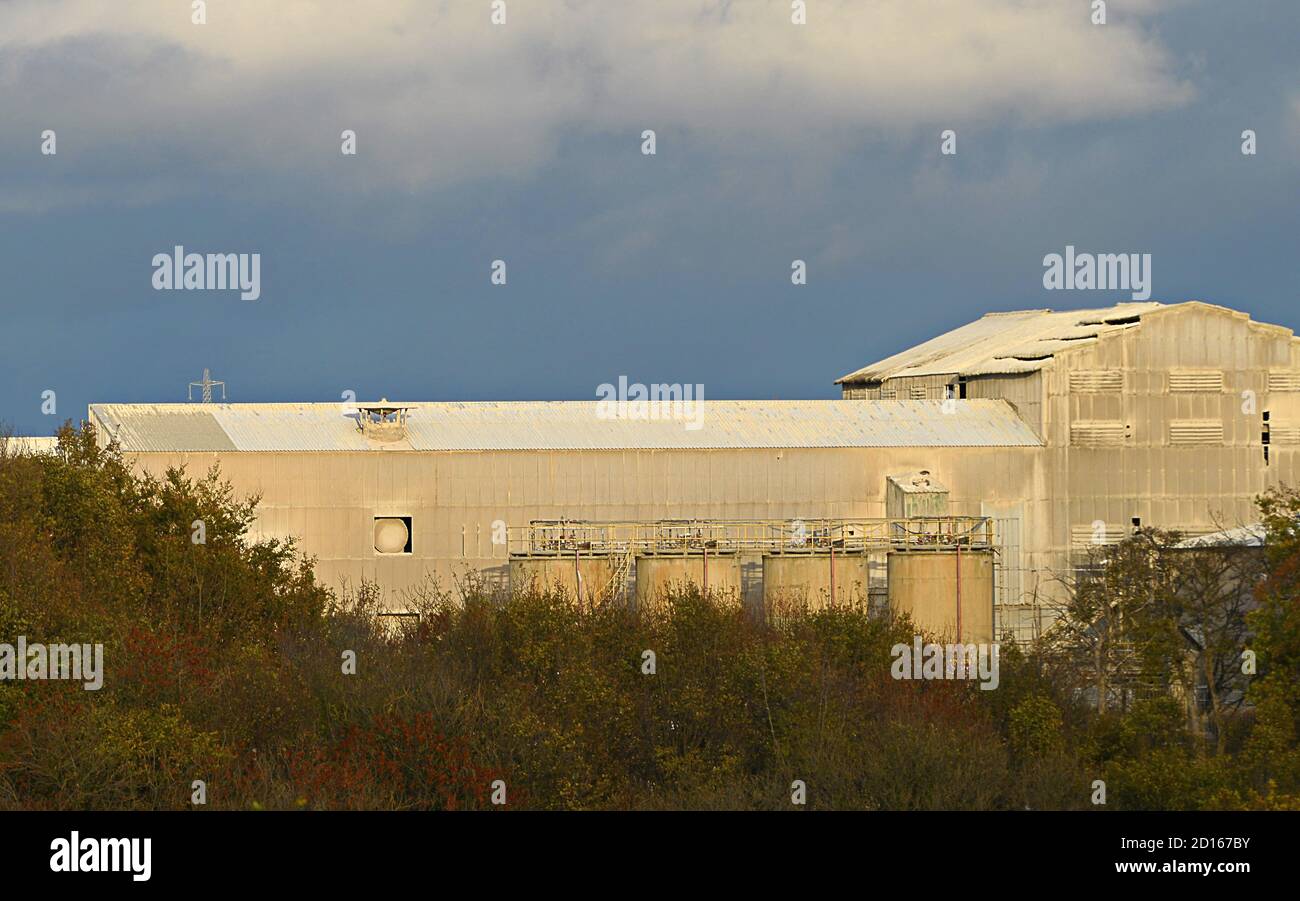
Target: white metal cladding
x,y
773,460
567,425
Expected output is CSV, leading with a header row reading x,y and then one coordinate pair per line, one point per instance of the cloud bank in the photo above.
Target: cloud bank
x,y
439,96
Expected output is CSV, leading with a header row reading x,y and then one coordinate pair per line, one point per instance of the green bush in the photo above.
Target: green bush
x,y
224,664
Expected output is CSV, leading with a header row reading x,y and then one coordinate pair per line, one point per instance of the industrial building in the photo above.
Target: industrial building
x,y
957,480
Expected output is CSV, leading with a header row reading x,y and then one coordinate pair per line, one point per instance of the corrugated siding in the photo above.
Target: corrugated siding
x,y
1024,392
1283,433
567,425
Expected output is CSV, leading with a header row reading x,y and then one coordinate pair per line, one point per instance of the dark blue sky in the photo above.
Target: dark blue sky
x,y
523,143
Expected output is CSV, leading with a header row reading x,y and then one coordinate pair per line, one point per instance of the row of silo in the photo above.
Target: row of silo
x,y
947,593
597,579
939,570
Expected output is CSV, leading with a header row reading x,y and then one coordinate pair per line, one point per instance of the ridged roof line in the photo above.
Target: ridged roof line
x,y
1004,342
566,425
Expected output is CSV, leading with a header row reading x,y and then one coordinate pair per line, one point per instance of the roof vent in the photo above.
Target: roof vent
x,y
384,421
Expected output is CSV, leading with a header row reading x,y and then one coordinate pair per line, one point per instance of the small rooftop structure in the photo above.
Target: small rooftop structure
x,y
383,421
915,494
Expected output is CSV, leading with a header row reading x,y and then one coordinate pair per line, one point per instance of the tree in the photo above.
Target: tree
x,y
1149,615
1213,594
1110,632
1276,622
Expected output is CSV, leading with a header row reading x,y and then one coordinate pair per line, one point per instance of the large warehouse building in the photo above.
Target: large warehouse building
x,y
1018,439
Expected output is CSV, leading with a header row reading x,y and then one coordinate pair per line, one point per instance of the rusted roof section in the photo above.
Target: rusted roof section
x,y
1000,343
567,425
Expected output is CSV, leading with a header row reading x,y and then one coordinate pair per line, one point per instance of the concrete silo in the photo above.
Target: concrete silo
x,y
814,581
948,594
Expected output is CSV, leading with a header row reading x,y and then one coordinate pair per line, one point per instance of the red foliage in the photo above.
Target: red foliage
x,y
156,663
396,761
49,721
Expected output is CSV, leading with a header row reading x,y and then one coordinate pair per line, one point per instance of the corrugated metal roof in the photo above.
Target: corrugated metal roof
x,y
1243,536
566,425
997,343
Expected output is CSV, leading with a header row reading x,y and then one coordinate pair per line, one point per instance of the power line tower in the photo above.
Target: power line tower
x,y
207,385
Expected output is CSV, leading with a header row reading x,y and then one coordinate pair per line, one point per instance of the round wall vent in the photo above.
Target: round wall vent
x,y
392,536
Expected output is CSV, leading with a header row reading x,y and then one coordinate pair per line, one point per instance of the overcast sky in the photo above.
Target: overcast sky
x,y
522,142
